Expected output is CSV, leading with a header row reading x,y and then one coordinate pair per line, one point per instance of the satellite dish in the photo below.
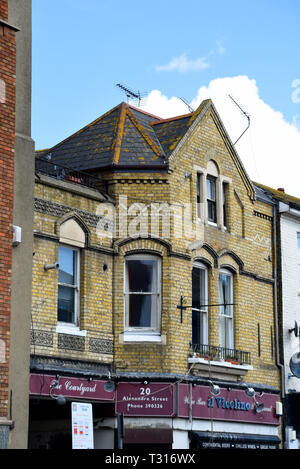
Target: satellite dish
x,y
295,364
295,329
109,386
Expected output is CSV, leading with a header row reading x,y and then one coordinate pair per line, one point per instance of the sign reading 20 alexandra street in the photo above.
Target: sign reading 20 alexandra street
x,y
146,400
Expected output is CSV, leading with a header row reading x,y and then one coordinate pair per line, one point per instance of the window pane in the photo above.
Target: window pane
x,y
198,194
199,300
224,204
140,310
67,262
198,288
211,211
211,188
226,312
66,304
142,275
225,294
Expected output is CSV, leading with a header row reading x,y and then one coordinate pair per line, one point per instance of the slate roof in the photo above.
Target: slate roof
x,y
281,196
124,137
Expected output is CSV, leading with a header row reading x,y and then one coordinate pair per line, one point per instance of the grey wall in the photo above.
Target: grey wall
x,y
20,16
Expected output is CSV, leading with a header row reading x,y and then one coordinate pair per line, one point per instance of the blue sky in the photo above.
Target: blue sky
x,y
81,50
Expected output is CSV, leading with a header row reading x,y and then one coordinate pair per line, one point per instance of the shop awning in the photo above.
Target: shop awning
x,y
220,440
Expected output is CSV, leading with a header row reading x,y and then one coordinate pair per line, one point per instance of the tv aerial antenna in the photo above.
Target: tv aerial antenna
x,y
245,114
135,96
187,105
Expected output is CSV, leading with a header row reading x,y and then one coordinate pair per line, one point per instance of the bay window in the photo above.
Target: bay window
x,y
142,293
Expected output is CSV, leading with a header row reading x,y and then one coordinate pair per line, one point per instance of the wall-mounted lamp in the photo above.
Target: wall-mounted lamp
x,y
109,385
250,392
295,329
259,406
51,266
214,388
60,399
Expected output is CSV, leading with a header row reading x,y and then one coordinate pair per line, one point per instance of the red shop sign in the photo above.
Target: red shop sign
x,y
145,400
79,388
230,405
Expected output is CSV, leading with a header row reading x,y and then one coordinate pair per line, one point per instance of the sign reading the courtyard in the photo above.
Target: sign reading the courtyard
x,y
229,405
81,388
145,400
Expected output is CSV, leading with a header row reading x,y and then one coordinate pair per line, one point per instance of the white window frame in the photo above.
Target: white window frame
x,y
226,321
62,325
203,311
138,332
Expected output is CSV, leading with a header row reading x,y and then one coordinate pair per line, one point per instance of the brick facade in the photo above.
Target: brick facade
x,y
243,247
7,129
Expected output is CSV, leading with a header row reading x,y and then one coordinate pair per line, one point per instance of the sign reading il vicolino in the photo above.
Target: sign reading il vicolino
x,y
230,405
145,400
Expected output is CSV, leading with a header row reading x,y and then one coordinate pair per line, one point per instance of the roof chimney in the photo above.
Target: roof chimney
x,y
281,189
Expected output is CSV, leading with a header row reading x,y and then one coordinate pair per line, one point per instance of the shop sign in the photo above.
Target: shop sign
x,y
230,405
82,425
79,388
145,400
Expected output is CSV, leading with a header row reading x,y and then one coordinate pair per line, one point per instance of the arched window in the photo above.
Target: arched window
x,y
226,310
199,304
72,237
212,192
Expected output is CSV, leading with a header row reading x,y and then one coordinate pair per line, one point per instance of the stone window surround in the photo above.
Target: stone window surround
x,y
220,180
72,236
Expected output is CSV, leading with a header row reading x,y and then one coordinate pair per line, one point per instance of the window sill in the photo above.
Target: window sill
x,y
69,329
142,337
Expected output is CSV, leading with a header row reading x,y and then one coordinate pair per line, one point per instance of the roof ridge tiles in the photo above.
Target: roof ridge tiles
x,y
169,119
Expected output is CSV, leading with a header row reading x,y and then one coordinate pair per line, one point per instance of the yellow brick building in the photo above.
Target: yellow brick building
x,y
164,284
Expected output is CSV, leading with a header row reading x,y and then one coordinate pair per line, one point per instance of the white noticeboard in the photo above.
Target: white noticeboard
x,y
82,426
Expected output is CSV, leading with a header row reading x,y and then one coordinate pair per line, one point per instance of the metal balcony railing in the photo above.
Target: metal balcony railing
x,y
221,353
68,174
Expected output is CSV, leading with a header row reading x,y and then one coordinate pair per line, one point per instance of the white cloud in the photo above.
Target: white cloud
x,y
220,47
183,64
270,148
